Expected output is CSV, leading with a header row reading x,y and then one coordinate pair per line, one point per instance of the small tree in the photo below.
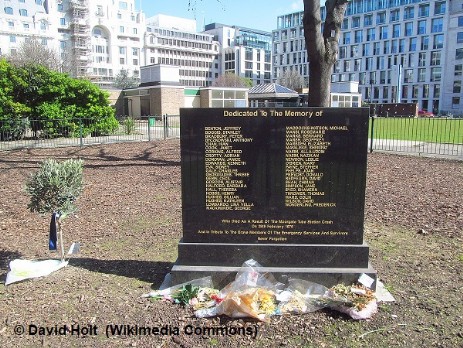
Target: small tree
x,y
123,80
291,79
230,79
54,189
32,52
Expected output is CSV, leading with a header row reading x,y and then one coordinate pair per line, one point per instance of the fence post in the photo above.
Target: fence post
x,y
81,131
372,132
164,125
149,128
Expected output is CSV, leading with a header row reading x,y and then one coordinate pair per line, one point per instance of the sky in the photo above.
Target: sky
x,y
255,14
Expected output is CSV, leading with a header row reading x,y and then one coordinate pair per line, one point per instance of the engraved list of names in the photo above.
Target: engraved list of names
x,y
268,175
224,173
304,145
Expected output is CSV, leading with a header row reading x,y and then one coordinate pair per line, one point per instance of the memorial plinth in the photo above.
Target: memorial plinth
x,y
284,186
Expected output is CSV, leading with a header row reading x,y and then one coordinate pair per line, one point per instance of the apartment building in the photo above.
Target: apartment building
x,y
174,41
243,51
99,38
398,51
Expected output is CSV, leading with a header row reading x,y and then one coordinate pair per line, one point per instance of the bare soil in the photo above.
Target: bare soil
x,y
129,224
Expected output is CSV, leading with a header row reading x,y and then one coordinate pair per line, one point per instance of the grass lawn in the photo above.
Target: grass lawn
x,y
436,130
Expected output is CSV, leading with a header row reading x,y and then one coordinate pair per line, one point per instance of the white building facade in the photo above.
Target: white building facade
x,y
243,51
174,41
99,38
398,51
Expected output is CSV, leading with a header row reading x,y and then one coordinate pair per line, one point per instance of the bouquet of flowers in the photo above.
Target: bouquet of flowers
x,y
357,301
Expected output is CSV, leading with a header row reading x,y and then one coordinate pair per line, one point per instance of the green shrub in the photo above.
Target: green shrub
x,y
55,186
129,126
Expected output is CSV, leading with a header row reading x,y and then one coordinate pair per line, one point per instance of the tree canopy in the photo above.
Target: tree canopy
x,y
230,79
45,97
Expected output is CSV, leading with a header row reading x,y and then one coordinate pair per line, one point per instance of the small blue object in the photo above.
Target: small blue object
x,y
52,243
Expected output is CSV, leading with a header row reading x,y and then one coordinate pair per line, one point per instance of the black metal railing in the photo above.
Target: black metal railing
x,y
431,136
58,132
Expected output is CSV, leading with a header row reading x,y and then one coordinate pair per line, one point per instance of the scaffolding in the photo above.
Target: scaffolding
x,y
80,36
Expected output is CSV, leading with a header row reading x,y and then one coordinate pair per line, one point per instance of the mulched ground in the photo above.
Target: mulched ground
x,y
129,224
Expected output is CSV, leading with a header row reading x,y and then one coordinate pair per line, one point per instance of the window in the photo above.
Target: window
x,y
368,20
402,45
396,30
355,22
26,26
346,38
358,36
409,12
425,91
422,59
423,10
123,5
421,74
394,46
459,53
10,24
436,74
437,25
23,12
412,46
43,25
439,7
408,29
60,7
12,38
39,2
438,41
135,62
394,16
411,60
383,33
345,24
457,86
44,41
460,21
408,76
421,27
424,43
122,61
121,29
371,34
436,91
435,57
460,37
459,70
455,102
366,49
415,90
135,31
346,66
62,21
381,18
134,51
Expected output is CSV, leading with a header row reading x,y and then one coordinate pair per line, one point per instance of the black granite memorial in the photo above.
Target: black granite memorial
x,y
283,186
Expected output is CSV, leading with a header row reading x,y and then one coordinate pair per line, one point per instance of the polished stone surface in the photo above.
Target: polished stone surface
x,y
273,255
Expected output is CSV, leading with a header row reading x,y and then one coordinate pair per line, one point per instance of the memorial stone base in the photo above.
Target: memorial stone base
x,y
323,264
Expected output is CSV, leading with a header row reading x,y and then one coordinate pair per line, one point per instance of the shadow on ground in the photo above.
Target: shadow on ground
x,y
148,271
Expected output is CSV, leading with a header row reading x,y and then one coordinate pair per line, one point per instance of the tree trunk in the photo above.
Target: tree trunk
x,y
322,48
